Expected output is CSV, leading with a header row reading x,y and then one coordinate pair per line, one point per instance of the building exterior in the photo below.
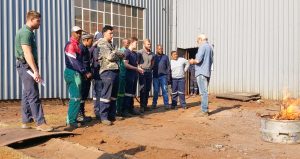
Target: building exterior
x,y
256,42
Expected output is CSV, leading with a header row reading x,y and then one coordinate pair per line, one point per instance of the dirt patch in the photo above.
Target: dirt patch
x,y
232,131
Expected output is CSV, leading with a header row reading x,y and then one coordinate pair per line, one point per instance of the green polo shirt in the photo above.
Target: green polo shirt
x,y
25,37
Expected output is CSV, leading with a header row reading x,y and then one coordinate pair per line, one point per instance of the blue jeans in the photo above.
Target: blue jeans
x,y
160,82
203,90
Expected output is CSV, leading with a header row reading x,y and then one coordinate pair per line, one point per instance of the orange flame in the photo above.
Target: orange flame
x,y
290,110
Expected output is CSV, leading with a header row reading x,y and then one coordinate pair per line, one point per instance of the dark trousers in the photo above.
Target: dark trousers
x,y
85,90
193,86
145,81
31,104
96,96
178,89
130,89
108,96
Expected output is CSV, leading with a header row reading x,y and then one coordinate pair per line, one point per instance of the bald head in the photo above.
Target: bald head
x,y
125,43
159,49
201,39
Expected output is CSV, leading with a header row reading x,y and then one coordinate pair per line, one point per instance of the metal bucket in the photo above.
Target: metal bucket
x,y
280,131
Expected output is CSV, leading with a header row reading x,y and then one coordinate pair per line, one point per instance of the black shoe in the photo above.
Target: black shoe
x,y
84,119
142,110
173,107
71,127
147,109
153,107
133,112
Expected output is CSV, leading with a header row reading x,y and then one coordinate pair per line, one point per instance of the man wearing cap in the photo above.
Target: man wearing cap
x,y
86,47
26,55
96,77
73,76
109,71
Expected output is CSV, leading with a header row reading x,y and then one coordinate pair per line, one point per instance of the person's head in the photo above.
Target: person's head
x,y
33,19
76,32
202,38
87,39
108,33
147,44
174,55
125,43
98,35
133,43
159,49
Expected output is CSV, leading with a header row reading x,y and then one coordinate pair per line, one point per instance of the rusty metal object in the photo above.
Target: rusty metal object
x,y
280,131
14,135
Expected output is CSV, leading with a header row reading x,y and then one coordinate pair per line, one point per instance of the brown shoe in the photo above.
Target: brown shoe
x,y
27,125
44,127
201,114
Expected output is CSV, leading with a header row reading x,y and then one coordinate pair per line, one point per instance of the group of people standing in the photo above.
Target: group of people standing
x,y
114,74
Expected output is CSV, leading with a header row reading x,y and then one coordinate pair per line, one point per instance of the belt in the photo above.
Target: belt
x,y
147,69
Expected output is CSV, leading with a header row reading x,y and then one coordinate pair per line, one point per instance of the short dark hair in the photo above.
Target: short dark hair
x,y
107,27
133,39
32,14
172,52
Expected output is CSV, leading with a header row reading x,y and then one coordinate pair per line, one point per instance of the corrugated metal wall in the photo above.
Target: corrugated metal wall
x,y
51,38
256,43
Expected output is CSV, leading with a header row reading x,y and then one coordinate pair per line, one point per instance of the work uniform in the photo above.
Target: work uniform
x,y
31,104
193,80
87,57
122,84
178,68
73,77
146,61
109,72
131,81
96,78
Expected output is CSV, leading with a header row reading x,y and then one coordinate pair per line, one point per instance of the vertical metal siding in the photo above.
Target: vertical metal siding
x,y
256,43
51,38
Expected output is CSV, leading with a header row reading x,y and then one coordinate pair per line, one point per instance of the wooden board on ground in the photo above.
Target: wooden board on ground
x,y
14,135
241,96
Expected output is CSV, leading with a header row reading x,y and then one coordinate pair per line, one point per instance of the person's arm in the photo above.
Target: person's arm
x,y
106,52
186,65
168,69
71,55
129,66
199,56
30,60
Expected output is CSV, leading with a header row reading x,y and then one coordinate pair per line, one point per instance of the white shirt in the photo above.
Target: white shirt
x,y
179,67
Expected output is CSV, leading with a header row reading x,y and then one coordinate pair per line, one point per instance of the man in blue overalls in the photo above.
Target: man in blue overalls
x,y
86,53
109,72
132,70
26,55
96,77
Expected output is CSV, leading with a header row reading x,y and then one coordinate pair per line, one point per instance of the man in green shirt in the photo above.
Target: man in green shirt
x,y
122,76
26,55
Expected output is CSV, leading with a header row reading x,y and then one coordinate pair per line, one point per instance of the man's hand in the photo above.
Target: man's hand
x,y
88,75
36,76
139,70
192,61
96,43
